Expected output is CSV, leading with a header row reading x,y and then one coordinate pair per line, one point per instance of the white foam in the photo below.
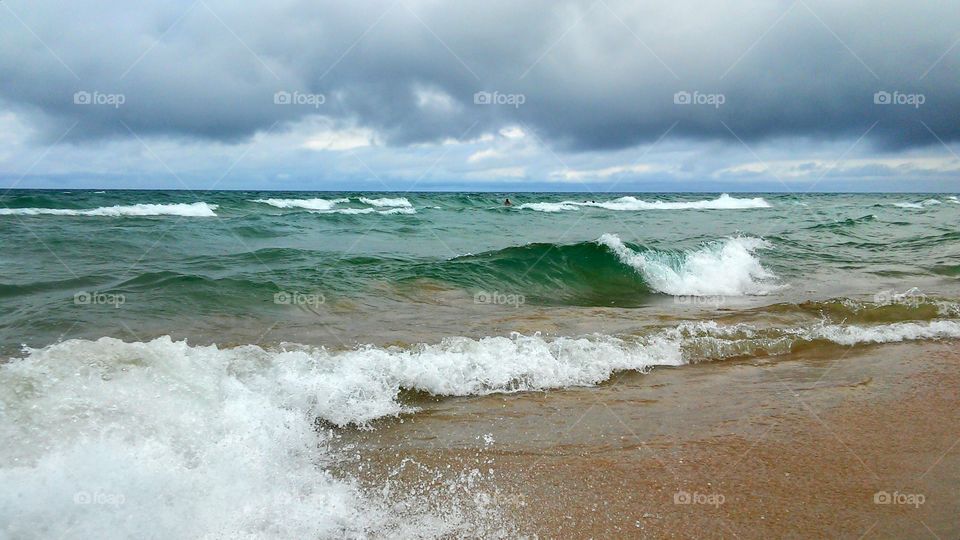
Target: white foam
x,y
197,209
387,202
106,439
921,204
724,268
723,202
360,211
887,333
548,206
309,204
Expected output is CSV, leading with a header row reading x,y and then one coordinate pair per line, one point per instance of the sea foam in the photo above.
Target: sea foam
x,y
113,439
308,204
387,202
916,205
724,268
197,209
106,439
723,202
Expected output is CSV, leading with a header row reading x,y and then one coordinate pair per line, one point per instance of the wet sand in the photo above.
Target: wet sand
x,y
834,442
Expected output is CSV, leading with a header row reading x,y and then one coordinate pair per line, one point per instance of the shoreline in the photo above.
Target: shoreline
x,y
796,446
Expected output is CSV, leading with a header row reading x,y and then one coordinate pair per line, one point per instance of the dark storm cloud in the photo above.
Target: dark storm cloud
x,y
592,75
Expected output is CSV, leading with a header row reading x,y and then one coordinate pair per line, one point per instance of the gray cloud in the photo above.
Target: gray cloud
x,y
594,75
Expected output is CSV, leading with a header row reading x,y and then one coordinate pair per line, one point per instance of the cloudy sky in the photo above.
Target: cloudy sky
x,y
664,95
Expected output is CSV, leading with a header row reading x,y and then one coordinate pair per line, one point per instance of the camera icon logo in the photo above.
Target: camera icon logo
x,y
882,98
682,497
482,98
82,98
682,98
882,497
82,497
281,98
282,297
482,297
883,298
82,298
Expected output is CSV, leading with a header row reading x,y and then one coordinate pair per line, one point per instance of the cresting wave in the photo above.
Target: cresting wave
x,y
609,272
330,204
723,202
723,268
399,202
359,211
917,205
197,209
308,204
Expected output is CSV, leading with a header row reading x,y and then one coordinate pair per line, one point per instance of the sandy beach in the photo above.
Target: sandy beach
x,y
836,443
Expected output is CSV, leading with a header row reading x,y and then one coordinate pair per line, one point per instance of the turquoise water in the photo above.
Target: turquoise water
x,y
192,361
410,267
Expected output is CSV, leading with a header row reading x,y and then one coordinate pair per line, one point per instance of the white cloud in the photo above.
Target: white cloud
x,y
607,172
501,172
802,168
438,100
513,132
483,154
339,140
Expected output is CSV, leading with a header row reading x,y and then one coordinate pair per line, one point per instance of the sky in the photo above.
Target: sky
x,y
420,95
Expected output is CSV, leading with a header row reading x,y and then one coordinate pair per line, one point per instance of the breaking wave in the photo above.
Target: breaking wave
x,y
727,267
723,202
197,209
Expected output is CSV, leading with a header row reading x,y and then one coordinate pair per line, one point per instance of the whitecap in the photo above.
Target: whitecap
x,y
548,206
916,205
728,267
628,203
361,211
309,204
387,202
197,209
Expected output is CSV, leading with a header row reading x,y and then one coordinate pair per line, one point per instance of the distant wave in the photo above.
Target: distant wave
x,y
723,202
845,223
398,205
197,209
359,211
921,204
387,202
728,267
309,204
549,206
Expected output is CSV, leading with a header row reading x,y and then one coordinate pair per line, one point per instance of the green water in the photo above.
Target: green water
x,y
228,269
